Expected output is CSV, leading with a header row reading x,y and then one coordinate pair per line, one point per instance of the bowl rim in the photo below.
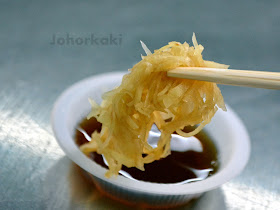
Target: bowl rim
x,y
61,110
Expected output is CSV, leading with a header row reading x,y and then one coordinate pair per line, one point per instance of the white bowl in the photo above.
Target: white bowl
x,y
226,129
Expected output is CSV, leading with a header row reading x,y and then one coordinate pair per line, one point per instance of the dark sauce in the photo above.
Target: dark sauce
x,y
179,167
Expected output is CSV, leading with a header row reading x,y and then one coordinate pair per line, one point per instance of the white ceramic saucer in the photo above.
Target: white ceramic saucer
x,y
226,129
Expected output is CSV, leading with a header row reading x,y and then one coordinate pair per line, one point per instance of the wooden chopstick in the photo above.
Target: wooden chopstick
x,y
256,79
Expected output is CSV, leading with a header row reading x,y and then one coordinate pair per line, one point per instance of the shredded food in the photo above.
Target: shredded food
x,y
147,96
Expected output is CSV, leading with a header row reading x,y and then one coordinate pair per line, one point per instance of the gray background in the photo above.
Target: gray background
x,y
34,172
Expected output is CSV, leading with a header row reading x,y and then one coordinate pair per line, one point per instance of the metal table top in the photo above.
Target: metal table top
x,y
92,37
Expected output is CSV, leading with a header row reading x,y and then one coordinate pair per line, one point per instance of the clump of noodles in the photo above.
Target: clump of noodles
x,y
147,96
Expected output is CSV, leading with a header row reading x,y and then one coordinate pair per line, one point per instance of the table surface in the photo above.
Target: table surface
x,y
35,173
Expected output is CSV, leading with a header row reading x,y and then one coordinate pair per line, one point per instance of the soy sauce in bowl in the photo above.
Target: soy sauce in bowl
x,y
191,159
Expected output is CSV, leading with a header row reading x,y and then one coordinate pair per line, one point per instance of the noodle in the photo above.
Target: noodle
x,y
147,96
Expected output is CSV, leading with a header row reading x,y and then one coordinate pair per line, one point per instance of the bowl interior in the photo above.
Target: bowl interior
x,y
226,129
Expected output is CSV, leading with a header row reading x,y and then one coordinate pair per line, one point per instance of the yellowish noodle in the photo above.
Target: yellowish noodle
x,y
147,96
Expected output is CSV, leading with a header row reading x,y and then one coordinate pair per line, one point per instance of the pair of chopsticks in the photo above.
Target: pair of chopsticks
x,y
256,79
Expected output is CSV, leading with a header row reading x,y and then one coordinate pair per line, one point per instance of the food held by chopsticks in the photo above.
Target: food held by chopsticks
x,y
148,96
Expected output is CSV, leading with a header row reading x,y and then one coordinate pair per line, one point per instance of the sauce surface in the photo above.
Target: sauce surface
x,y
192,159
